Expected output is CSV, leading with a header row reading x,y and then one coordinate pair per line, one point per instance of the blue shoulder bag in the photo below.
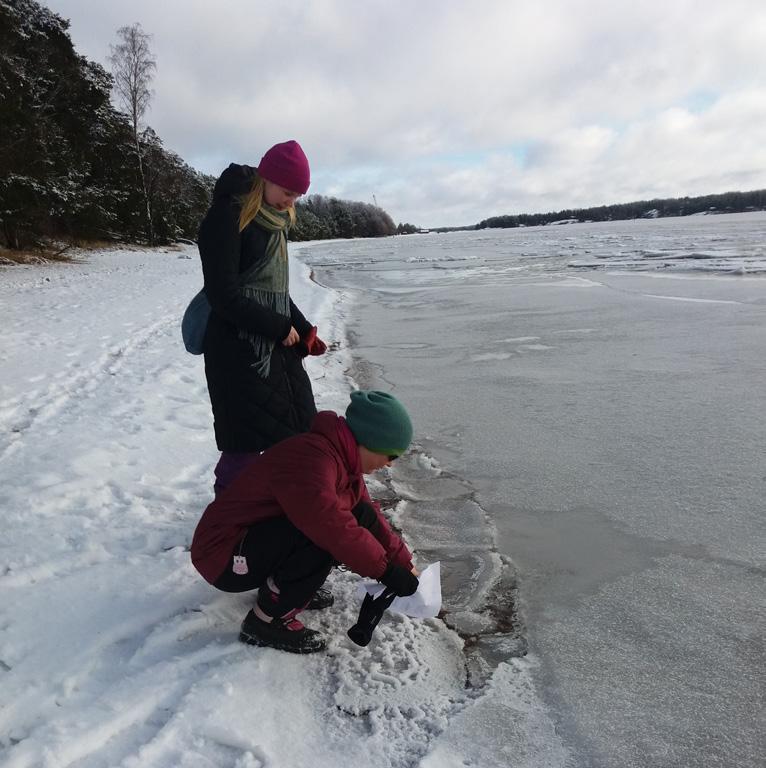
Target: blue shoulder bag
x,y
194,323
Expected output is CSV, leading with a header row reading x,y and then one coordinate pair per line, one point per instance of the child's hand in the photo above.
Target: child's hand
x,y
415,571
291,338
400,580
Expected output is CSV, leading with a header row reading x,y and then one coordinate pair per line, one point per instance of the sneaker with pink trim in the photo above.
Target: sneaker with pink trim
x,y
285,633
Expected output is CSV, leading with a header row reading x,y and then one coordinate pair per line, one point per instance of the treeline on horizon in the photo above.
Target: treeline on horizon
x,y
72,168
727,202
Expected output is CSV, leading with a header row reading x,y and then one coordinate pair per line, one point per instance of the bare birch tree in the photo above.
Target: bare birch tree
x,y
133,67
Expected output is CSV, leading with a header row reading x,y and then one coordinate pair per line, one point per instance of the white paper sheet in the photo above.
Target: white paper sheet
x,y
424,604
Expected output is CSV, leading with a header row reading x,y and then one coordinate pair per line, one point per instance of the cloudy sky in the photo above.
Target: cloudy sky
x,y
447,112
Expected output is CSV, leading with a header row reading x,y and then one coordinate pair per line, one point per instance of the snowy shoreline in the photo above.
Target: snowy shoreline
x,y
113,652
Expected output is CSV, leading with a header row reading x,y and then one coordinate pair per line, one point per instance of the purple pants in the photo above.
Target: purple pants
x,y
229,466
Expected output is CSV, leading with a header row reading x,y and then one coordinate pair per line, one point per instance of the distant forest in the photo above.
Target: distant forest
x,y
728,202
320,218
74,168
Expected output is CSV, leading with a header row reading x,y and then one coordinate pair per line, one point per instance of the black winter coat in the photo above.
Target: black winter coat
x,y
250,413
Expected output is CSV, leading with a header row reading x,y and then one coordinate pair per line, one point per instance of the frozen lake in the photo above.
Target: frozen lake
x,y
595,390
589,471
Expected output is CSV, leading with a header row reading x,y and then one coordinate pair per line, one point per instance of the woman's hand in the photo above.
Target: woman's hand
x,y
291,338
415,571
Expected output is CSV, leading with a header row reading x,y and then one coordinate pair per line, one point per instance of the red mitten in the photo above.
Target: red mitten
x,y
317,347
313,344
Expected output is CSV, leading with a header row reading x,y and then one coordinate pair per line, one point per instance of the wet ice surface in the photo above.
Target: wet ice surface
x,y
610,422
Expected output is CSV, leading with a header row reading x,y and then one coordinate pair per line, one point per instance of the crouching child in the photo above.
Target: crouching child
x,y
300,508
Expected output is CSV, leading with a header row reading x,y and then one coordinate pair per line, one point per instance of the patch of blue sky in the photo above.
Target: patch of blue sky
x,y
700,100
696,102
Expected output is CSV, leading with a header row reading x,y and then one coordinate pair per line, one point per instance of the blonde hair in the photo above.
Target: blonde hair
x,y
253,201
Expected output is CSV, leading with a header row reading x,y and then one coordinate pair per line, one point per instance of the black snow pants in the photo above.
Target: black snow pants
x,y
278,549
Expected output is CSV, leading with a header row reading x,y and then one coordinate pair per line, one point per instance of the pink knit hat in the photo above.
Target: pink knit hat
x,y
286,164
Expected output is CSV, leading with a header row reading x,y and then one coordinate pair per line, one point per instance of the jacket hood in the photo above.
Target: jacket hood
x,y
334,428
235,180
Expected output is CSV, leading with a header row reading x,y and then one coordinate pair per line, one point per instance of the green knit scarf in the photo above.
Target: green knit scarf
x,y
268,282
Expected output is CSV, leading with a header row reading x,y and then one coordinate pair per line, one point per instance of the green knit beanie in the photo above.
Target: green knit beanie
x,y
379,422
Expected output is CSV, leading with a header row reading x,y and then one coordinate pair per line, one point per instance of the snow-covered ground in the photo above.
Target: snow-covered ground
x,y
113,651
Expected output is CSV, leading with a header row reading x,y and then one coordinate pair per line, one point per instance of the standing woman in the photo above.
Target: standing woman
x,y
256,337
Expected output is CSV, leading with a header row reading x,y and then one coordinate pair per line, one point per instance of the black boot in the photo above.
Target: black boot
x,y
285,633
322,599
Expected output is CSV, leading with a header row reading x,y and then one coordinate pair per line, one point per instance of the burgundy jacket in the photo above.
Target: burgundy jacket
x,y
315,480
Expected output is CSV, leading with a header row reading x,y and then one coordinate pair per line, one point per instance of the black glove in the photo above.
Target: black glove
x,y
400,580
370,614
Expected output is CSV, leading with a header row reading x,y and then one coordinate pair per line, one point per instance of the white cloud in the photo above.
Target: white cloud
x,y
391,98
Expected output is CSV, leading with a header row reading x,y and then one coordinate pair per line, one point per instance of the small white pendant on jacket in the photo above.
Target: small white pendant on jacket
x,y
240,565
